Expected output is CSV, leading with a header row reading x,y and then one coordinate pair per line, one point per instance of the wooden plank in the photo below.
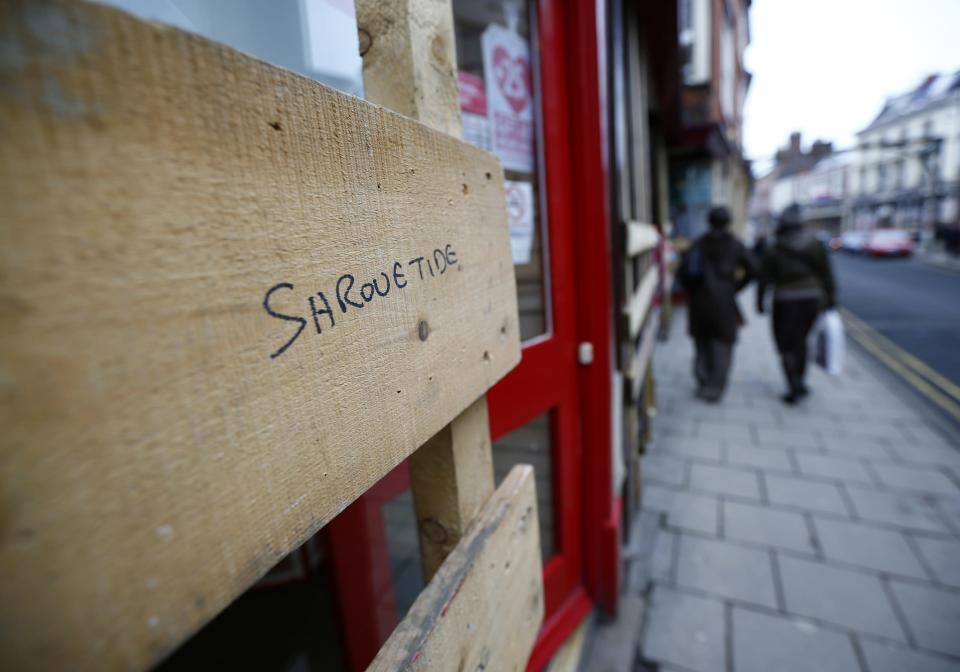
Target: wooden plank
x,y
641,237
482,610
640,362
452,475
176,418
410,59
640,302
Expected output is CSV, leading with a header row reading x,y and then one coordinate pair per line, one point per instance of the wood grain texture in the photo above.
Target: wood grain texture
x,y
155,460
451,476
410,59
483,609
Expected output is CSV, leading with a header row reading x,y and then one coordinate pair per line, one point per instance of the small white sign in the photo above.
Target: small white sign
x,y
520,217
509,83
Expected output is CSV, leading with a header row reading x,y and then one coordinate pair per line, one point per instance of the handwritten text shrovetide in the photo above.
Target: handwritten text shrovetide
x,y
324,308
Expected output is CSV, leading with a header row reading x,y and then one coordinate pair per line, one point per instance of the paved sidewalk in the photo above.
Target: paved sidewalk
x,y
822,538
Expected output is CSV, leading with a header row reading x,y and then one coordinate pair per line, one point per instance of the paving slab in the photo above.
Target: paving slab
x,y
662,468
684,509
661,560
771,459
868,546
724,480
763,525
726,570
797,438
840,596
700,449
942,557
853,446
726,431
890,657
806,494
840,468
917,479
903,509
933,616
766,643
918,432
685,630
922,454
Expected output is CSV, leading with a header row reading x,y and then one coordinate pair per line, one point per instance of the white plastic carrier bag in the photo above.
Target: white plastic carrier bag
x,y
830,342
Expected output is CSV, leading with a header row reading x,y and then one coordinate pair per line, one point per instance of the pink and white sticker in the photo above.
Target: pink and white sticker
x,y
509,84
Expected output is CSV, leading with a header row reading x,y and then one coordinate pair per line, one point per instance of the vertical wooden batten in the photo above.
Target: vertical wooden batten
x,y
409,65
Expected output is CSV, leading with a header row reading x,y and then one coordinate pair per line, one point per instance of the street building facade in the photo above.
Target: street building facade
x,y
908,161
707,165
903,172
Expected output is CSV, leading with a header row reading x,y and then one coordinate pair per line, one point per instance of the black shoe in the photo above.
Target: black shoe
x,y
710,395
790,398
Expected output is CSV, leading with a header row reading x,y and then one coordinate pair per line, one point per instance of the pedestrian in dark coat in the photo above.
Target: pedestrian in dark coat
x,y
798,268
716,267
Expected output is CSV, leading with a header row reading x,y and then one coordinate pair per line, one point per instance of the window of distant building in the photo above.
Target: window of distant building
x,y
685,25
693,18
727,65
881,177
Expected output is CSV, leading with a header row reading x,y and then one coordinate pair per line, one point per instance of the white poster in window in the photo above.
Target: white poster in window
x,y
520,218
509,84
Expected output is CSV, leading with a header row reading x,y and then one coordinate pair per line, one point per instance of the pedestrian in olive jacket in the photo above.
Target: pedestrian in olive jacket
x,y
798,268
716,267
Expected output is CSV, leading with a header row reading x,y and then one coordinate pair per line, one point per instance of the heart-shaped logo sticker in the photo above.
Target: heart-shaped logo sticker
x,y
513,78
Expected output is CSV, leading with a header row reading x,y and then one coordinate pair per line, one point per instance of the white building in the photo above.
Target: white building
x,y
908,168
823,191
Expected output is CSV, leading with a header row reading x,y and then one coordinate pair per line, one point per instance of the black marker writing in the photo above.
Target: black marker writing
x,y
344,298
419,261
440,258
397,275
386,285
317,313
378,286
280,316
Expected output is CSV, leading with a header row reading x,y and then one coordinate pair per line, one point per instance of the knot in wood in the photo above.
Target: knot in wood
x,y
423,330
365,41
438,46
434,531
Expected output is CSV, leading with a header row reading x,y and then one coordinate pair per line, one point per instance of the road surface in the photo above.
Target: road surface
x,y
915,306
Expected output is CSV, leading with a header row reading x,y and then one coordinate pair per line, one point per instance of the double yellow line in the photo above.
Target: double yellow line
x,y
925,380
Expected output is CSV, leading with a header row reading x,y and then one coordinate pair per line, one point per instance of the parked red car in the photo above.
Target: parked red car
x,y
889,243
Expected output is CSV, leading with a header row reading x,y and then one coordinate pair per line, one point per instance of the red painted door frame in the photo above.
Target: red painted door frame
x,y
587,65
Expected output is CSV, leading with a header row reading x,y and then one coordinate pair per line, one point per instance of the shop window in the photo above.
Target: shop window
x,y
316,38
499,109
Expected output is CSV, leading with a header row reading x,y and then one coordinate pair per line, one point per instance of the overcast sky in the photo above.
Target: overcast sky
x,y
825,67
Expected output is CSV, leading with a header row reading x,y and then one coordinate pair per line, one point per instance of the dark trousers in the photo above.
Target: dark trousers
x,y
792,322
711,366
